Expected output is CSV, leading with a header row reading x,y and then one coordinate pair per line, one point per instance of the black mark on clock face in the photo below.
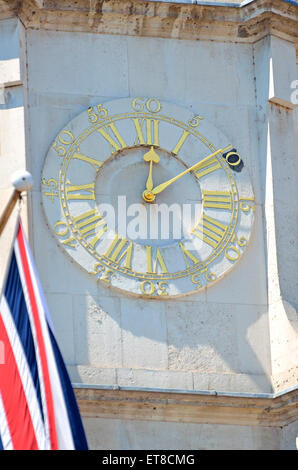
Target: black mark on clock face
x,y
234,160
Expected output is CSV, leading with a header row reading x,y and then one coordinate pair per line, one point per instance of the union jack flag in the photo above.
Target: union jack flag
x,y
38,409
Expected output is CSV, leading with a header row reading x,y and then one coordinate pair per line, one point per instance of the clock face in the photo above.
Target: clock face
x,y
148,197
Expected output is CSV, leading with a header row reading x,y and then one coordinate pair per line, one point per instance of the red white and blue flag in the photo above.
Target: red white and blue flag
x,y
38,409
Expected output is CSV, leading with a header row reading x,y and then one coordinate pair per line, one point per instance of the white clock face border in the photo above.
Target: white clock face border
x,y
74,179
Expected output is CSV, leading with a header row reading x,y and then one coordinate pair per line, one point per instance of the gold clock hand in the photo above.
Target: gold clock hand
x,y
152,157
158,189
149,182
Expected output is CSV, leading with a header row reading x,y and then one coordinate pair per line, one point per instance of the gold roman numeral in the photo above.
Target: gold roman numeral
x,y
217,199
188,255
115,253
115,144
88,222
152,131
80,191
210,164
81,156
209,230
159,261
180,142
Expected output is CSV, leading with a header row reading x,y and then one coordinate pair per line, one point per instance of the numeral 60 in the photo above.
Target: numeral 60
x,y
152,105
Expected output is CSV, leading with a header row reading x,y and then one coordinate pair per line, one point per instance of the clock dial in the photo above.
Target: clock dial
x,y
148,197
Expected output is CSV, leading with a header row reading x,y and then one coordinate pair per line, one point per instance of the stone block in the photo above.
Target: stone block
x,y
90,375
136,435
9,52
97,330
159,379
201,337
12,135
60,307
144,334
191,71
79,63
218,338
246,283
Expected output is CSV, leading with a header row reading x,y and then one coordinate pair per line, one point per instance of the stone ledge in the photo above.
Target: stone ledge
x,y
187,407
283,103
170,379
249,22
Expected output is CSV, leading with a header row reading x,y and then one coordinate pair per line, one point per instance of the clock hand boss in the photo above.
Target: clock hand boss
x,y
158,189
152,157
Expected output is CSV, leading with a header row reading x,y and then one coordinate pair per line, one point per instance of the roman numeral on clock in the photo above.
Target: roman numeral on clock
x,y
180,142
115,253
78,155
152,267
88,222
152,131
116,141
217,199
208,166
188,255
210,231
80,191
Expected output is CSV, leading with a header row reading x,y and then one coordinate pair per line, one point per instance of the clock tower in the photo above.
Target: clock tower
x,y
162,140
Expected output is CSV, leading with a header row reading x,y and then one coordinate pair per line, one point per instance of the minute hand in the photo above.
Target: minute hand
x,y
158,189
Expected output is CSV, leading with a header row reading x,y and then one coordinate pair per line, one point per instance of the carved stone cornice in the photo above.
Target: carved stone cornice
x,y
241,23
275,411
9,9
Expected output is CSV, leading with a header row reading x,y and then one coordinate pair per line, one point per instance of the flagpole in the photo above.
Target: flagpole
x,y
22,181
8,209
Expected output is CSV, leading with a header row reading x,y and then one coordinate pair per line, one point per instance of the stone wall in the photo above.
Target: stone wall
x,y
211,339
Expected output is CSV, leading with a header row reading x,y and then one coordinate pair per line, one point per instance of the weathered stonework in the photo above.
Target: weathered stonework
x,y
212,408
249,23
